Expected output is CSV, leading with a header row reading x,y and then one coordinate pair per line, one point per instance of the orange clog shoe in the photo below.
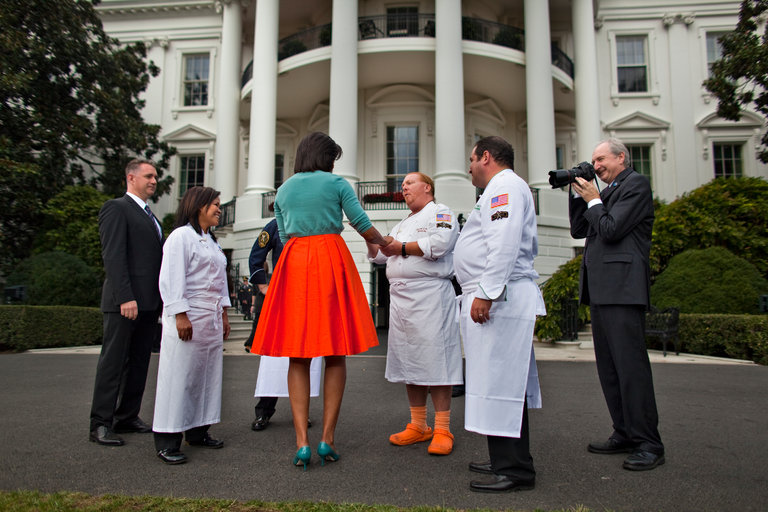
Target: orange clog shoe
x,y
412,434
442,442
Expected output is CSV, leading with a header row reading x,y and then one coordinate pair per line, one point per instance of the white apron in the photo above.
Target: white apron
x,y
501,367
273,376
423,346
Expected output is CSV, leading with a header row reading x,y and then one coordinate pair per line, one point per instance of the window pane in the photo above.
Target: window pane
x,y
727,160
640,159
632,68
714,49
402,154
279,169
196,80
192,172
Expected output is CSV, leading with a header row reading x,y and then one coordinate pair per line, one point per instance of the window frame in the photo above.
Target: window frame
x,y
650,58
649,147
741,144
389,176
181,57
199,153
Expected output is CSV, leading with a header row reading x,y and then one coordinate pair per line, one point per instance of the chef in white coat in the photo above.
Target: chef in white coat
x,y
193,285
494,266
423,347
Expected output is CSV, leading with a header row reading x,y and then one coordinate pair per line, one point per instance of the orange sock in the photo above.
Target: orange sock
x,y
443,420
419,416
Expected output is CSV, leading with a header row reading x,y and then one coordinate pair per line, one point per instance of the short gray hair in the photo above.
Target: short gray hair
x,y
133,166
616,148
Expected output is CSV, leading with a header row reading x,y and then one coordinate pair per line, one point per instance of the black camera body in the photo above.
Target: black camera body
x,y
563,177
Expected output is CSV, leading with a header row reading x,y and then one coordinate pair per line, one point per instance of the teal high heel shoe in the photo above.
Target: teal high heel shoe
x,y
325,452
302,457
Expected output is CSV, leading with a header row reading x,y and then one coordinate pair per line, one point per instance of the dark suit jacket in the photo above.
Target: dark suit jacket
x,y
132,254
615,269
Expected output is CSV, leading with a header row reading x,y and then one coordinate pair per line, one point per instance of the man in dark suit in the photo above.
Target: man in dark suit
x,y
132,249
615,283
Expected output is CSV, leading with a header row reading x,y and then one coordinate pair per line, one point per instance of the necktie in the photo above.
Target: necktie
x,y
154,222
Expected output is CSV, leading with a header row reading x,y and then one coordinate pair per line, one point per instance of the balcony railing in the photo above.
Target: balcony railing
x,y
227,214
375,195
410,25
268,204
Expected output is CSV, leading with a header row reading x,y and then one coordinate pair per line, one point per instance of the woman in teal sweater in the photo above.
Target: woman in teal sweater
x,y
317,305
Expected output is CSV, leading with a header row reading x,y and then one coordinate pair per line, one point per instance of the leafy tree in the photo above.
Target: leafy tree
x,y
740,78
72,224
726,212
20,211
70,108
707,281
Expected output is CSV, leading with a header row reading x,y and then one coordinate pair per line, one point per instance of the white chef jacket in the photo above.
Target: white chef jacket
x,y
423,346
494,261
193,279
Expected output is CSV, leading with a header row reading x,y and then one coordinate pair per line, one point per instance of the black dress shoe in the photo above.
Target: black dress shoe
x,y
207,442
502,483
172,456
643,461
481,467
611,446
104,435
260,423
133,426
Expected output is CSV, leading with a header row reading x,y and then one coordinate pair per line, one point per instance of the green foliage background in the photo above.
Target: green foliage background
x,y
562,286
53,278
712,280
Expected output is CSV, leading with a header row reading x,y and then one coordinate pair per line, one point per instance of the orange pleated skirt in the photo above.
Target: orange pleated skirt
x,y
315,304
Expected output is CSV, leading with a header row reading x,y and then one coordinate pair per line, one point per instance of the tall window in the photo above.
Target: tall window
x,y
632,65
560,156
402,21
279,169
640,159
714,49
196,80
727,159
192,172
402,154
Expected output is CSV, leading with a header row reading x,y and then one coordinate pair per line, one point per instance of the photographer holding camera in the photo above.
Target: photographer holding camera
x,y
615,283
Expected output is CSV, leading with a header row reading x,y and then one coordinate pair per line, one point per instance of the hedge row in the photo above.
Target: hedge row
x,y
735,336
27,327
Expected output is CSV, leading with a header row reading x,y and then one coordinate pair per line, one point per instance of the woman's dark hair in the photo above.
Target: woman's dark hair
x,y
316,152
194,199
498,148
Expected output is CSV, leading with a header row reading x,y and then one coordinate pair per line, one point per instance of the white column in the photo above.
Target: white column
x,y
683,114
261,142
452,185
342,117
228,101
588,130
539,99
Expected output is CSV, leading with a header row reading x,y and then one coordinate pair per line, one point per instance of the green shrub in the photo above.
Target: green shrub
x,y
27,327
57,278
735,336
709,281
561,287
726,212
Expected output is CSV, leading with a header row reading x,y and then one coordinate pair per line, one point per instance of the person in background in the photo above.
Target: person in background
x,y
499,304
193,284
132,249
244,293
423,347
615,283
317,305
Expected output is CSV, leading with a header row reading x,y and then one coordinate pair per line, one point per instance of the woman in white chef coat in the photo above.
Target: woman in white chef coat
x,y
193,285
423,348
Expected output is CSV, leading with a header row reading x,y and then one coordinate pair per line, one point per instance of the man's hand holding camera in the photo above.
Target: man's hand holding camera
x,y
586,189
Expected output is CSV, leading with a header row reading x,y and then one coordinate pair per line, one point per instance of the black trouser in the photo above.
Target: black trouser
x,y
511,456
625,374
121,374
258,302
266,406
172,440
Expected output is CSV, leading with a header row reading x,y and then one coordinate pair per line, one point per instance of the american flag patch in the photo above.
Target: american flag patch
x,y
443,217
499,200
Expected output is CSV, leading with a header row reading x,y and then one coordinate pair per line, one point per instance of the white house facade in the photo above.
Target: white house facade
x,y
411,85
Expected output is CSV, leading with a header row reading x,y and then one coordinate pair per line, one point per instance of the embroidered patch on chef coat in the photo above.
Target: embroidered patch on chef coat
x,y
444,225
499,200
501,214
443,217
263,239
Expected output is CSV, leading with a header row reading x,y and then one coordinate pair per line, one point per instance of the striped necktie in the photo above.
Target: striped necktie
x,y
154,221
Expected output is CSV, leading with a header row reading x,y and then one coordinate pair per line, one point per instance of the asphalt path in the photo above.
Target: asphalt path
x,y
713,420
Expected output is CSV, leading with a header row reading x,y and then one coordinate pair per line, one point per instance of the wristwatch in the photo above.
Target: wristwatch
x,y
403,251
